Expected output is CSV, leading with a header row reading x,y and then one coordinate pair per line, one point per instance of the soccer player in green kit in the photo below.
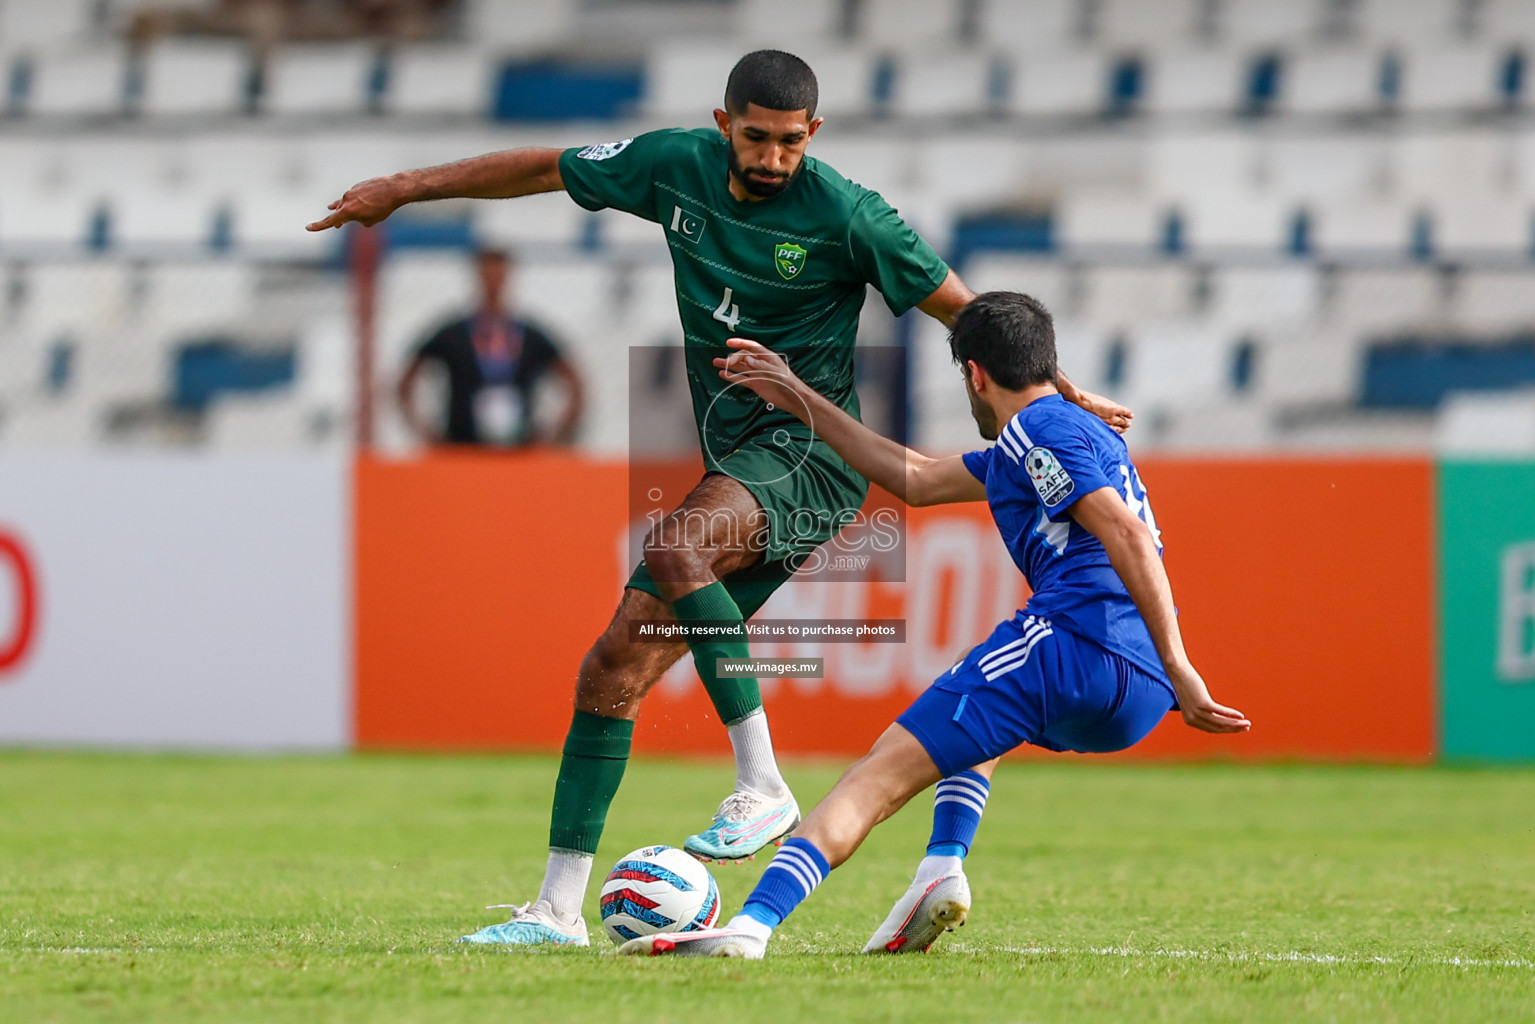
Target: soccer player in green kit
x,y
765,242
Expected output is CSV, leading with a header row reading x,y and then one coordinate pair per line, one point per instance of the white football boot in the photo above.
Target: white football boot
x,y
926,911
711,942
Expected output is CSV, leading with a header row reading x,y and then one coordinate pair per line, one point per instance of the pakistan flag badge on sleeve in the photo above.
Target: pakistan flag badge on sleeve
x,y
789,259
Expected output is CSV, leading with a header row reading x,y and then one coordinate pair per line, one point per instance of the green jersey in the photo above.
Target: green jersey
x,y
788,271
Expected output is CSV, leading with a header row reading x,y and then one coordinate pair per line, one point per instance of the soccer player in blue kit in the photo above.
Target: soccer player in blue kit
x,y
1091,664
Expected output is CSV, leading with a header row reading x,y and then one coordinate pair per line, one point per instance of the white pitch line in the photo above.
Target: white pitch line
x,y
1277,958
1159,954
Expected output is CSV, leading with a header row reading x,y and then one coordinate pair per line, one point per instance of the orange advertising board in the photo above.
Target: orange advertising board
x,y
1304,589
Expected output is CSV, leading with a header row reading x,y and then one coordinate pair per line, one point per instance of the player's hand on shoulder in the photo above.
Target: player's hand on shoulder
x,y
1106,409
763,371
1199,709
367,203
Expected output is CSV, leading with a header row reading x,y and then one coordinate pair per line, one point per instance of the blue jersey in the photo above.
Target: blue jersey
x,y
1046,458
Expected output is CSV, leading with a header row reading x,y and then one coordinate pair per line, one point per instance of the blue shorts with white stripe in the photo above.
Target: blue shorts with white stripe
x,y
1034,682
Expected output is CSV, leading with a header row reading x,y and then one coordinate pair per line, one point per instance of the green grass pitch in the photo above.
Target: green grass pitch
x,y
156,888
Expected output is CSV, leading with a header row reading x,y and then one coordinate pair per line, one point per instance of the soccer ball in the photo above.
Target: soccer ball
x,y
658,889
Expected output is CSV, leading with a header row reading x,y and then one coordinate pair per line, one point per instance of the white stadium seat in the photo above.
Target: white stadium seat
x,y
1425,23
1264,300
516,27
1175,362
436,79
1479,225
1194,81
1099,218
789,23
45,215
1351,225
1451,78
1029,26
1509,21
1082,350
1376,302
845,76
549,219
1149,24
1120,297
183,299
1441,164
1068,83
261,421
1331,80
78,297
942,85
1479,423
67,423
1265,23
89,81
913,26
319,78
1492,302
1225,217
973,171
1312,168
30,25
1310,368
684,82
195,77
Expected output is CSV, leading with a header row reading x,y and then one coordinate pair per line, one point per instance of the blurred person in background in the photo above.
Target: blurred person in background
x,y
494,361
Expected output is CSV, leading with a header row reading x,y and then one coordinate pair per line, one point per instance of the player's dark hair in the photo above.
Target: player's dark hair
x,y
1010,335
772,79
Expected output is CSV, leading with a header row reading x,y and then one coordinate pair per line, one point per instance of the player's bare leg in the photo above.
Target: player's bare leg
x,y
718,530
614,676
871,790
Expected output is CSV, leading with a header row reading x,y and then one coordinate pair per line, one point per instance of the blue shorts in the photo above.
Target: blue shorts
x,y
1032,682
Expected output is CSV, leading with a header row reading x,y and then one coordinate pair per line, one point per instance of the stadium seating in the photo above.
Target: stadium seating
x,y
432,79
1177,179
75,81
182,77
321,78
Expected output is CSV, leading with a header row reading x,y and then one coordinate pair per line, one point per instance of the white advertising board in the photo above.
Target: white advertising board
x,y
175,602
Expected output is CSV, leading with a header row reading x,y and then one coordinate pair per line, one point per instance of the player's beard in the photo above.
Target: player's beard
x,y
985,418
755,186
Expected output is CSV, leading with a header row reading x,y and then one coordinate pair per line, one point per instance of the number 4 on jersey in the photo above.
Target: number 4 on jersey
x,y
728,312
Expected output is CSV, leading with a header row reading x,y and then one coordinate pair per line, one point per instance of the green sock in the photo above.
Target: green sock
x,y
596,751
734,697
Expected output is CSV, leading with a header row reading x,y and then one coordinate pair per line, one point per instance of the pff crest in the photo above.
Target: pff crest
x,y
789,259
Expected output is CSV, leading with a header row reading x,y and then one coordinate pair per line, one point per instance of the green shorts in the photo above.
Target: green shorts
x,y
808,493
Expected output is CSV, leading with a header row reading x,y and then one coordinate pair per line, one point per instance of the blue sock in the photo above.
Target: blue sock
x,y
792,875
957,809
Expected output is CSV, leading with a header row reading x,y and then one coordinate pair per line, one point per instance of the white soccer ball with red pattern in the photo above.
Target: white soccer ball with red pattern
x,y
658,889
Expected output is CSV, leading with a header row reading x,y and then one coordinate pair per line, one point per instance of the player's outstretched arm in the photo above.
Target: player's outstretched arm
x,y
504,175
910,476
1133,553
